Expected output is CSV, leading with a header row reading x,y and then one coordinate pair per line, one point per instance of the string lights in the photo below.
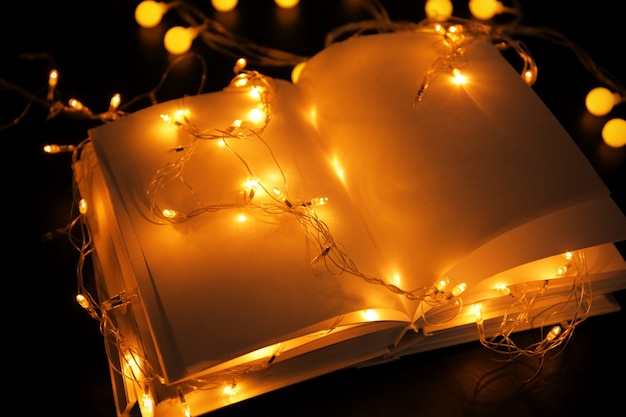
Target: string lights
x,y
258,194
525,298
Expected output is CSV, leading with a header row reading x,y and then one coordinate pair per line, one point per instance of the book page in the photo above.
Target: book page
x,y
468,166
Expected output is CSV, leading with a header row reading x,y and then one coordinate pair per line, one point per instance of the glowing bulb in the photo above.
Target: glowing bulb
x,y
485,9
58,148
370,315
75,104
231,389
132,365
568,255
459,289
250,188
240,65
149,13
318,201
442,284
255,93
277,351
178,39
53,78
438,9
82,206
552,334
458,77
52,149
82,300
478,313
146,405
502,288
256,115
169,213
530,75
286,4
179,118
242,81
614,133
115,102
600,101
296,71
252,183
280,195
224,5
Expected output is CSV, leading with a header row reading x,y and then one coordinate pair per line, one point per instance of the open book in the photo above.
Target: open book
x,y
258,236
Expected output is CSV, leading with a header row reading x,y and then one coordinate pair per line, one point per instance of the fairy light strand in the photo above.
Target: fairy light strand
x,y
332,254
520,312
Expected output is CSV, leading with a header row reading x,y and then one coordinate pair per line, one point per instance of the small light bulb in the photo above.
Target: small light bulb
x,y
280,195
478,313
181,116
318,201
485,9
458,77
614,133
553,333
169,213
231,389
82,206
459,289
250,188
286,4
442,284
240,65
370,315
149,13
178,40
83,302
438,9
277,351
52,148
75,104
256,93
600,101
53,78
256,116
529,75
146,405
115,102
502,288
224,5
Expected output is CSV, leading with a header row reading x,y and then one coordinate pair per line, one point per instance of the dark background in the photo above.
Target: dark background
x,y
55,363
